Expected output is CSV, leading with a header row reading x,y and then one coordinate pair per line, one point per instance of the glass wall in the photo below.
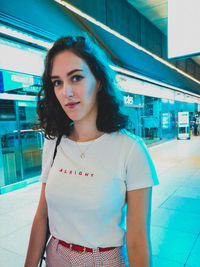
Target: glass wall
x,y
20,147
155,119
151,119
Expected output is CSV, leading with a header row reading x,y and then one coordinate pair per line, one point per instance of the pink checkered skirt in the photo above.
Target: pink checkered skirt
x,y
59,256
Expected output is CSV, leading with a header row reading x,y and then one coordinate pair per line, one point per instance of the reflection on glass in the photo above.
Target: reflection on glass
x,y
21,147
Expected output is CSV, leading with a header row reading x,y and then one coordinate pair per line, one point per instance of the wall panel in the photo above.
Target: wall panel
x,y
190,66
197,71
124,19
93,8
181,64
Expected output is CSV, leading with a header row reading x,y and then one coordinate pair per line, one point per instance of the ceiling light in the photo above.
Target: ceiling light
x,y
103,26
141,77
11,32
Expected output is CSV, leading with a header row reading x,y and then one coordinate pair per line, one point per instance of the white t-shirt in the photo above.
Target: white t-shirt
x,y
86,197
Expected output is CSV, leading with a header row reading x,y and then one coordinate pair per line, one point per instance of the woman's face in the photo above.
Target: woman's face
x,y
75,86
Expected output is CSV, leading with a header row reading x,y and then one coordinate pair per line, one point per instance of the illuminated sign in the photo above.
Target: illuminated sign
x,y
183,125
128,100
18,81
134,101
23,36
183,28
1,82
165,120
22,79
183,119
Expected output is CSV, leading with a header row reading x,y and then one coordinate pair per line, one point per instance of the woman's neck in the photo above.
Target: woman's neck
x,y
84,133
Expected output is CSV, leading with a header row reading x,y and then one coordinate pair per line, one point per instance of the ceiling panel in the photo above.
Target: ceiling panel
x,y
153,10
140,62
197,59
156,12
145,4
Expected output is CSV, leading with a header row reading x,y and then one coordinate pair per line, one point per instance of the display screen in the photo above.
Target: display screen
x,y
183,28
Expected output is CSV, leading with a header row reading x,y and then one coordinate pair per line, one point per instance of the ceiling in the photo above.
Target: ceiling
x,y
156,12
64,22
138,61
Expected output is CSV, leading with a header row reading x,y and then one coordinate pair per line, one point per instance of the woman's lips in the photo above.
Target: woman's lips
x,y
72,105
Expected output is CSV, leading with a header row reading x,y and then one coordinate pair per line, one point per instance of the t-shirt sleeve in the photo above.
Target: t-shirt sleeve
x,y
47,158
140,170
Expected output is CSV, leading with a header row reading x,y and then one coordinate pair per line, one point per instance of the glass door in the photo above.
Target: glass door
x,y
10,157
31,141
20,146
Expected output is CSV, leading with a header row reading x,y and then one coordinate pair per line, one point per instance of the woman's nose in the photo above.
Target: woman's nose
x,y
67,91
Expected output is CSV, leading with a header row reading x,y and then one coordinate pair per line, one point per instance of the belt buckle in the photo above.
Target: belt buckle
x,y
81,252
84,250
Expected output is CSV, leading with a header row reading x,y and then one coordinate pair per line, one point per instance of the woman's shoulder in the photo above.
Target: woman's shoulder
x,y
50,141
49,144
129,143
128,137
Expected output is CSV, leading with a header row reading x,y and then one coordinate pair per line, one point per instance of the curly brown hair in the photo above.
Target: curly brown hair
x,y
52,119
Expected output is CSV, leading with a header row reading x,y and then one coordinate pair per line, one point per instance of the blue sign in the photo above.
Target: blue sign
x,y
10,80
1,82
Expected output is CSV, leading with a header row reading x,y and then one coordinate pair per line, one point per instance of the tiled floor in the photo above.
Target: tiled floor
x,y
175,210
176,204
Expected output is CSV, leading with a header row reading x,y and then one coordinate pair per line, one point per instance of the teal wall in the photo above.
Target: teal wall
x,y
125,19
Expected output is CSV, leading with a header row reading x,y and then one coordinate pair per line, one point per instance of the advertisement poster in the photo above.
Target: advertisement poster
x,y
183,125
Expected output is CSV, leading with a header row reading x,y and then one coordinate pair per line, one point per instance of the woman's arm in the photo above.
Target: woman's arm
x,y
138,227
38,233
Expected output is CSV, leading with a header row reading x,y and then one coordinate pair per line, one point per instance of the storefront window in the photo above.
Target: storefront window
x,y
151,120
10,159
155,119
31,141
21,147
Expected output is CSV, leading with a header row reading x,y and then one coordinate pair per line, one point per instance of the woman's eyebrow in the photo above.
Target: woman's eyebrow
x,y
68,74
72,71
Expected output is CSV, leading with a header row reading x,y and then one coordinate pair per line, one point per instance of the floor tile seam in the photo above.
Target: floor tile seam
x,y
16,210
176,182
192,248
162,144
20,198
164,258
21,207
164,171
188,185
175,230
11,251
26,190
178,211
187,212
197,170
7,211
169,196
168,259
188,197
14,217
15,231
174,165
189,182
176,173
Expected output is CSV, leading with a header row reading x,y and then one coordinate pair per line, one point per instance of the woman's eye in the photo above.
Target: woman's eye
x,y
77,78
56,83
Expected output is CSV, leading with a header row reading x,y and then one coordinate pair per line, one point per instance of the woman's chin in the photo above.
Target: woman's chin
x,y
75,118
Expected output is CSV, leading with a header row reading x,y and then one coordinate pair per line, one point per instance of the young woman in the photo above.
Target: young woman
x,y
98,169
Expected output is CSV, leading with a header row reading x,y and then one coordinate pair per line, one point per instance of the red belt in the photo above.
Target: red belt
x,y
81,249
